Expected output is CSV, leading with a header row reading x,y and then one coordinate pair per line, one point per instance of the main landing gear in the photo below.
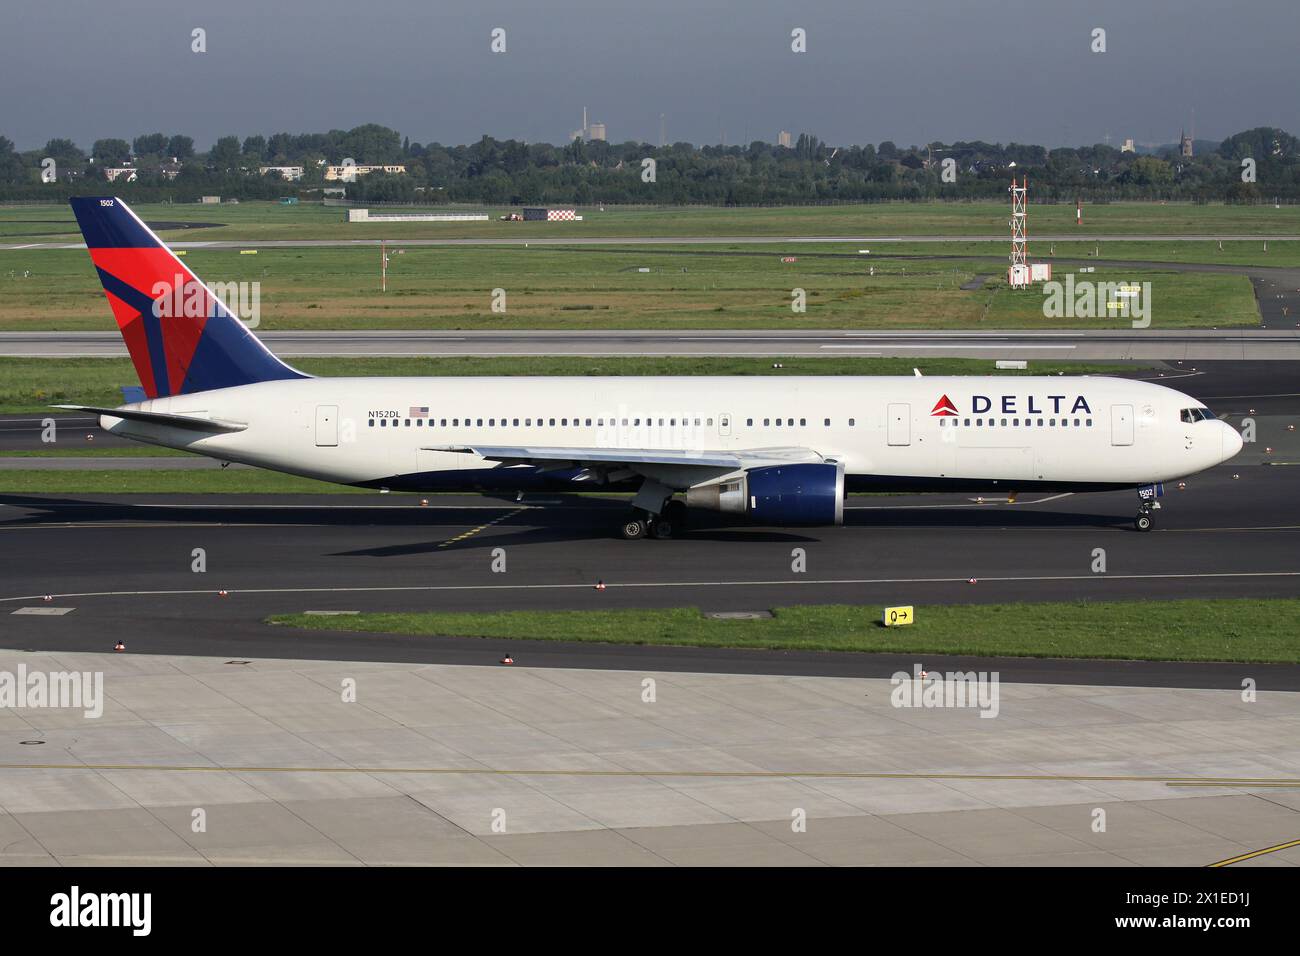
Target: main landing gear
x,y
668,523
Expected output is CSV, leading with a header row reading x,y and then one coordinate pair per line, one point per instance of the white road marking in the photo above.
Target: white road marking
x,y
587,586
45,611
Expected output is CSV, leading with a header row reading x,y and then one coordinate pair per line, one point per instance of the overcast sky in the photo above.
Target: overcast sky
x,y
911,71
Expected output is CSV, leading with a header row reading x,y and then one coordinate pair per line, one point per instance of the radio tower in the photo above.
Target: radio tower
x,y
1018,274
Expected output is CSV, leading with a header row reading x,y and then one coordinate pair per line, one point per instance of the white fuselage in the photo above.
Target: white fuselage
x,y
1007,432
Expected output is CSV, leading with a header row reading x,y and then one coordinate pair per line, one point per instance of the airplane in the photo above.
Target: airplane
x,y
779,451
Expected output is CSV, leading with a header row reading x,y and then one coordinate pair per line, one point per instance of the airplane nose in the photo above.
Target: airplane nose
x,y
1232,442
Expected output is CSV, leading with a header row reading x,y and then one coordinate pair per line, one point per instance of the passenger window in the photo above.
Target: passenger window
x,y
372,423
827,423
851,422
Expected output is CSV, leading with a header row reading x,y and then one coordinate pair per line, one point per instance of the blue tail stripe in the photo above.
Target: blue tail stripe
x,y
153,333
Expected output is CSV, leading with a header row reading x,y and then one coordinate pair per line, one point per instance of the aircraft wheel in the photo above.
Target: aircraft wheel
x,y
663,528
1142,522
634,529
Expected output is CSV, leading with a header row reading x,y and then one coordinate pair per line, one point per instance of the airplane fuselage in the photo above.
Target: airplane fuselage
x,y
890,433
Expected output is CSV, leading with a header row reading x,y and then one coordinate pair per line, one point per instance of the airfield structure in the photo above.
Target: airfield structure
x,y
1022,272
1018,274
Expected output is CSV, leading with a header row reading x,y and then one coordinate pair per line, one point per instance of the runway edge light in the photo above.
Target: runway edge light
x,y
898,616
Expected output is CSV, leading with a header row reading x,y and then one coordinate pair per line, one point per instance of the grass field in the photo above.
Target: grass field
x,y
1193,630
32,385
263,220
585,288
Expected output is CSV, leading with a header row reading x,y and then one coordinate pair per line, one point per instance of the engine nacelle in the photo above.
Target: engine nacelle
x,y
802,493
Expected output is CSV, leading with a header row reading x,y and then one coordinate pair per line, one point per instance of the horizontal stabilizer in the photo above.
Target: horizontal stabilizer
x,y
189,422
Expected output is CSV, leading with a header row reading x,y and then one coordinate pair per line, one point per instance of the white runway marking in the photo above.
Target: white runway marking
x,y
611,585
45,611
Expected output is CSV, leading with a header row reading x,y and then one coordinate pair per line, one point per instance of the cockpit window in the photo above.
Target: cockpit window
x,y
1190,415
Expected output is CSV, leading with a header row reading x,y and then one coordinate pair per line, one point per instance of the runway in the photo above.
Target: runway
x,y
1150,344
580,240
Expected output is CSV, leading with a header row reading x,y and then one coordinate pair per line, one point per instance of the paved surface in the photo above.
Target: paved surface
x,y
477,766
580,240
1054,345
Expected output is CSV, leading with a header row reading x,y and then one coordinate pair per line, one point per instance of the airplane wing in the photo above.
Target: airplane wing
x,y
634,459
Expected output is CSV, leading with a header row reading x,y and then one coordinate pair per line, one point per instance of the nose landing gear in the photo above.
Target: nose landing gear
x,y
1144,520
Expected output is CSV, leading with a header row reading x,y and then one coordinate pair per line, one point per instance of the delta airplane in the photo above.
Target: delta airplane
x,y
782,451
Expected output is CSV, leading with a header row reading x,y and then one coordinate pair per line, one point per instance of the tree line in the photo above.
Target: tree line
x,y
1253,165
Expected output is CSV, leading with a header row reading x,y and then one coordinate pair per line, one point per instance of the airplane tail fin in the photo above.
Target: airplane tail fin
x,y
181,337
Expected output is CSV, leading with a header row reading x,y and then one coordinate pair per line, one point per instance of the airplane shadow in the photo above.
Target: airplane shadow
x,y
589,520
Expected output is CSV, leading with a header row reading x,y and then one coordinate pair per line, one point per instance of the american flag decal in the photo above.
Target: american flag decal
x,y
419,412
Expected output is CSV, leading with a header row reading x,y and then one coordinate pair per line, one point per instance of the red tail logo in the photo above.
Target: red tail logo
x,y
944,408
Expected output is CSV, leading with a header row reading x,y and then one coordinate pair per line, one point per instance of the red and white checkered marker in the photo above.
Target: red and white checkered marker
x,y
561,215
